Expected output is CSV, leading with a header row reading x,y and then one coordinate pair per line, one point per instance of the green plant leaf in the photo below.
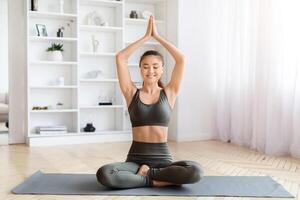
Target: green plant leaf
x,y
55,47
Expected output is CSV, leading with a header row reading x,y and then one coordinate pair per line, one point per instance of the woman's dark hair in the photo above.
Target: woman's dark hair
x,y
153,53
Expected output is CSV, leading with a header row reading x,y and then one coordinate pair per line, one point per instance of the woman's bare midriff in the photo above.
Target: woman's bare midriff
x,y
150,134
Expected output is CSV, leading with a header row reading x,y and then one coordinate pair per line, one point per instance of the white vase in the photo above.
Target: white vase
x,y
55,56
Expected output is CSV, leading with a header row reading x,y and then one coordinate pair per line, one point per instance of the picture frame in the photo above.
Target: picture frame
x,y
41,30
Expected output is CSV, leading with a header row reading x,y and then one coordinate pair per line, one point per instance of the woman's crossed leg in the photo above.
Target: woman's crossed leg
x,y
132,175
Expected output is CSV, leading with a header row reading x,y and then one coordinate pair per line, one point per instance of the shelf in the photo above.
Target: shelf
x,y
51,135
146,43
105,132
82,133
79,138
53,87
107,3
102,107
51,15
99,80
39,38
100,28
54,111
97,54
52,63
140,21
145,1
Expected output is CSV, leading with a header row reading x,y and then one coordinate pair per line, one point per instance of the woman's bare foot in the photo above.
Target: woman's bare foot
x,y
143,170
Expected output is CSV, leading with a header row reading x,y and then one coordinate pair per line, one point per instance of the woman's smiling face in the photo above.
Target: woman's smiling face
x,y
151,68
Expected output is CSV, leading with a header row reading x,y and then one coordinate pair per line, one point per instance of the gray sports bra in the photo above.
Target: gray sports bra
x,y
158,113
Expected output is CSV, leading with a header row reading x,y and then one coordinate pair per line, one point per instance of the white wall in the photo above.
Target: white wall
x,y
195,114
17,70
3,49
172,35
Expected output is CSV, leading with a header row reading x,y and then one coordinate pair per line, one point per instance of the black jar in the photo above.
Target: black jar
x,y
133,14
89,128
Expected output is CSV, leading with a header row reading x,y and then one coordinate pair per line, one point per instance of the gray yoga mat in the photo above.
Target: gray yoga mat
x,y
86,184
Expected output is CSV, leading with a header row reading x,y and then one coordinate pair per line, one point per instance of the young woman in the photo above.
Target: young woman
x,y
149,163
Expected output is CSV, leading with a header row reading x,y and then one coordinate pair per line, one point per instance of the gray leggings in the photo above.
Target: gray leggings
x,y
158,158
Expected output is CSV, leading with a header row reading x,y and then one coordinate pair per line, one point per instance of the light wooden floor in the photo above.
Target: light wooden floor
x,y
19,161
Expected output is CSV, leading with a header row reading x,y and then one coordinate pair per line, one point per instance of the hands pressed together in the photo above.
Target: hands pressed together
x,y
151,29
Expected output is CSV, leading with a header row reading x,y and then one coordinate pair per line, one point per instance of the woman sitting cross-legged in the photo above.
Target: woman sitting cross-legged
x,y
149,162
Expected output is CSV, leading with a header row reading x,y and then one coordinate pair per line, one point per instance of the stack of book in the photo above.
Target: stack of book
x,y
48,130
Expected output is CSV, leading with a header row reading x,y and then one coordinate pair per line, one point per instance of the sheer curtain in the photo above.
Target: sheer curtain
x,y
258,74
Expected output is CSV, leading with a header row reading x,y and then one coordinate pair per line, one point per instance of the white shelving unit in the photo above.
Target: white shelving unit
x,y
81,92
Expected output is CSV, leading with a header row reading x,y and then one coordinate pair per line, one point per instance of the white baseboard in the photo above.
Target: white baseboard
x,y
81,139
4,139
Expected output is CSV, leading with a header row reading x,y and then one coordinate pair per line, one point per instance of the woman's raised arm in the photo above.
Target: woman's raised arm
x,y
126,84
179,58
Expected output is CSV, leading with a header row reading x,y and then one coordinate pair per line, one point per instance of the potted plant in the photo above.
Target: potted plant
x,y
55,52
